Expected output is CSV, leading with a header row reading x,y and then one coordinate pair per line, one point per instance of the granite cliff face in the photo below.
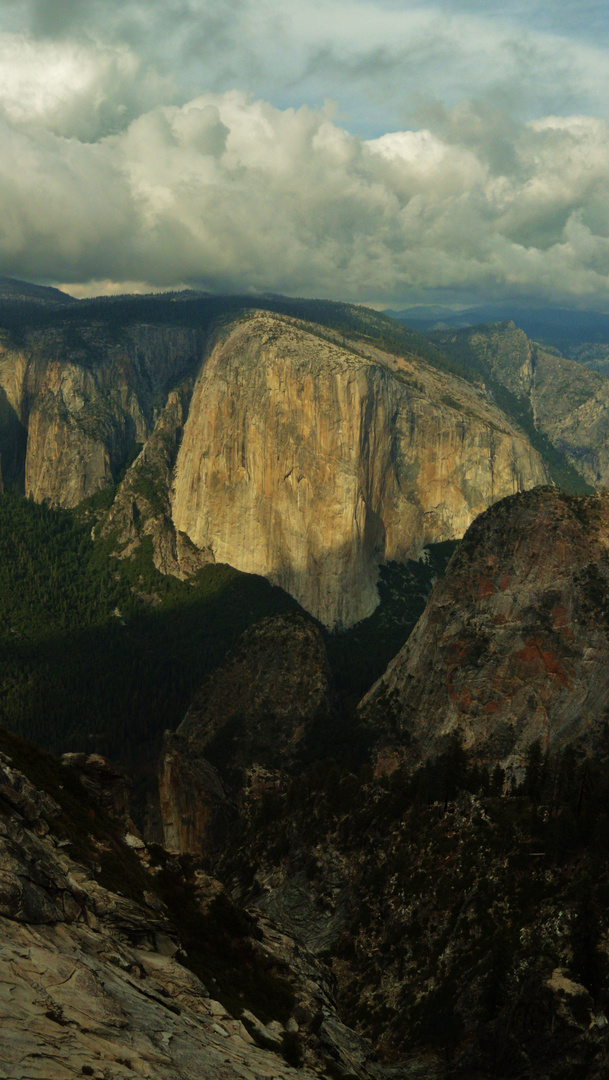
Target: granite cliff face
x,y
310,461
269,443
566,402
81,397
513,645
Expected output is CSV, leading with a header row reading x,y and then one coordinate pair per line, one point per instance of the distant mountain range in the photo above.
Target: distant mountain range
x,y
565,329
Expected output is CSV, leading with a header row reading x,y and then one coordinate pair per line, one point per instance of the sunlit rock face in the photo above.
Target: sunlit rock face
x,y
513,645
74,401
194,808
302,456
311,461
568,403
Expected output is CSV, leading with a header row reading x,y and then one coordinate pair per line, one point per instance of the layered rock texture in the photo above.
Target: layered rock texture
x,y
566,402
513,645
310,461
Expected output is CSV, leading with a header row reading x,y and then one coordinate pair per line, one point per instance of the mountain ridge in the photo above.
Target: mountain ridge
x,y
83,394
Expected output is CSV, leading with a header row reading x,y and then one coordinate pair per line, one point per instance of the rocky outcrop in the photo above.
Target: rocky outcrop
x,y
567,402
93,982
85,395
251,719
310,461
105,784
513,645
271,688
194,807
142,505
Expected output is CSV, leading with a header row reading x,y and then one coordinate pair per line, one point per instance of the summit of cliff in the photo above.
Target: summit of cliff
x,y
13,290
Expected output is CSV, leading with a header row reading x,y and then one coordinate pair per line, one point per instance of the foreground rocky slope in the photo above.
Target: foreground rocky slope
x,y
513,645
467,932
101,941
310,461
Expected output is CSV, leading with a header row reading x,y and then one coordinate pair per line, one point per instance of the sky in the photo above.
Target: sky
x,y
377,151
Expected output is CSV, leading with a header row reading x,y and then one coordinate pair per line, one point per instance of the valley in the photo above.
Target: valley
x,y
313,611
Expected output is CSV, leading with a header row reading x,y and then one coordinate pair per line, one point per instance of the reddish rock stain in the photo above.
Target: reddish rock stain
x,y
533,653
485,588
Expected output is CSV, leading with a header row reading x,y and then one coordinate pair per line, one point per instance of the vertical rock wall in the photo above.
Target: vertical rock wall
x,y
311,463
81,397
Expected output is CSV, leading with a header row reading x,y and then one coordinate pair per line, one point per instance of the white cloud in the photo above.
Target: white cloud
x,y
375,57
71,88
231,193
115,167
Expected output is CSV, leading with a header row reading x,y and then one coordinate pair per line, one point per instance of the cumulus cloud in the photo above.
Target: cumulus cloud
x,y
433,170
74,88
228,192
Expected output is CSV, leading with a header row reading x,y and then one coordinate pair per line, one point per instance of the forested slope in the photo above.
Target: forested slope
x,y
104,654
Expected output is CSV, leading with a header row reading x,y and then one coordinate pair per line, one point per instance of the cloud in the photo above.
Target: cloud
x,y
230,193
467,148
74,89
375,57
